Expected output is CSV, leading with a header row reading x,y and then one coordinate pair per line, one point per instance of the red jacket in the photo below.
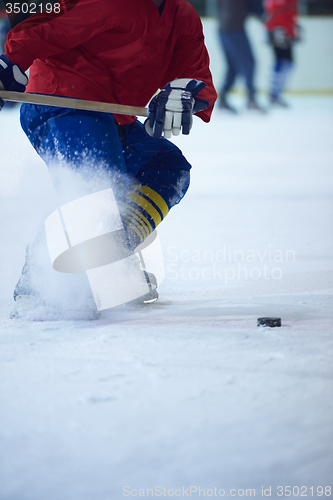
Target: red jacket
x,y
117,51
282,14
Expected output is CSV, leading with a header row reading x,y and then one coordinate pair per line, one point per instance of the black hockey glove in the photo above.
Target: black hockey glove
x,y
11,77
279,38
170,111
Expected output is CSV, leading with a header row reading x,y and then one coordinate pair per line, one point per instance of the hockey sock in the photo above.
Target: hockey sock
x,y
280,75
142,211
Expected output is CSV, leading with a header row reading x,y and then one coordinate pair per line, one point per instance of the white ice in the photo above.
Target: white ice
x,y
189,391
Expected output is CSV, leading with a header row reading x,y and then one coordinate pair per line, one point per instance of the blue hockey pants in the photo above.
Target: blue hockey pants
x,y
154,174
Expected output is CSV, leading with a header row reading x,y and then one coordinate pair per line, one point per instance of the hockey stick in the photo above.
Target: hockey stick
x,y
65,102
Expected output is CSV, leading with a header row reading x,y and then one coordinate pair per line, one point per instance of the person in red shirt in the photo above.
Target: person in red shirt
x,y
282,29
118,52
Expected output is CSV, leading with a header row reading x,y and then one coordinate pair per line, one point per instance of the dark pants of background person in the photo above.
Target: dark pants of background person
x,y
281,69
285,54
239,58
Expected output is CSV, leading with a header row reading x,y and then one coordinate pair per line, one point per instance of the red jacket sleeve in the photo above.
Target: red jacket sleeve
x,y
191,59
45,35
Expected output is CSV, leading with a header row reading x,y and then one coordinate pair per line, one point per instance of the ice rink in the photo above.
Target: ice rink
x,y
187,393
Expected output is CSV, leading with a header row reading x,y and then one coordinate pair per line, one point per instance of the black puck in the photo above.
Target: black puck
x,y
269,322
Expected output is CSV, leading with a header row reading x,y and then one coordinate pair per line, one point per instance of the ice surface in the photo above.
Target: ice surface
x,y
187,392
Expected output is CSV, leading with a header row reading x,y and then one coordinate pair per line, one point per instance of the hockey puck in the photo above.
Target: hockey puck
x,y
271,322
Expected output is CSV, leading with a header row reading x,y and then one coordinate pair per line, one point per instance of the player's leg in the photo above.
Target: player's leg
x,y
230,75
281,70
242,55
84,154
160,178
246,64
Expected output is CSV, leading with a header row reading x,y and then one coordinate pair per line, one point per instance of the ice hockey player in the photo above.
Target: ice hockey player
x,y
117,52
283,31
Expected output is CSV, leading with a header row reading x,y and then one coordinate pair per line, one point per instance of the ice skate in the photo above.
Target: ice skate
x,y
253,106
279,102
24,285
31,305
23,306
31,308
26,298
37,305
225,106
150,297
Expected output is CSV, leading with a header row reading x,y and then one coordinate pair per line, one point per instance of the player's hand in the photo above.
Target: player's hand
x,y
280,38
170,111
11,77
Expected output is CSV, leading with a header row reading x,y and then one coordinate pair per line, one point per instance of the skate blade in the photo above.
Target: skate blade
x,y
31,308
151,299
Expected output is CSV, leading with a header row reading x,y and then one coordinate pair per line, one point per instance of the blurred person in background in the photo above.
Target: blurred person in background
x,y
283,31
9,19
237,49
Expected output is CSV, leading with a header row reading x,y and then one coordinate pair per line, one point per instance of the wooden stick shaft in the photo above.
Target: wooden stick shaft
x,y
64,102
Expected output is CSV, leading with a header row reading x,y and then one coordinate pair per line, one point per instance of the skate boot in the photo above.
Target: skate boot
x,y
253,106
133,243
25,297
31,304
278,101
225,106
150,296
24,284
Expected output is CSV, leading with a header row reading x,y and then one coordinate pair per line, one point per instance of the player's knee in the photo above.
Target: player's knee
x,y
180,189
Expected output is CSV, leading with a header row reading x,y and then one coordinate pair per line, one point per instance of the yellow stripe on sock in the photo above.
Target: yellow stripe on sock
x,y
145,205
137,232
135,228
137,221
129,209
155,197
